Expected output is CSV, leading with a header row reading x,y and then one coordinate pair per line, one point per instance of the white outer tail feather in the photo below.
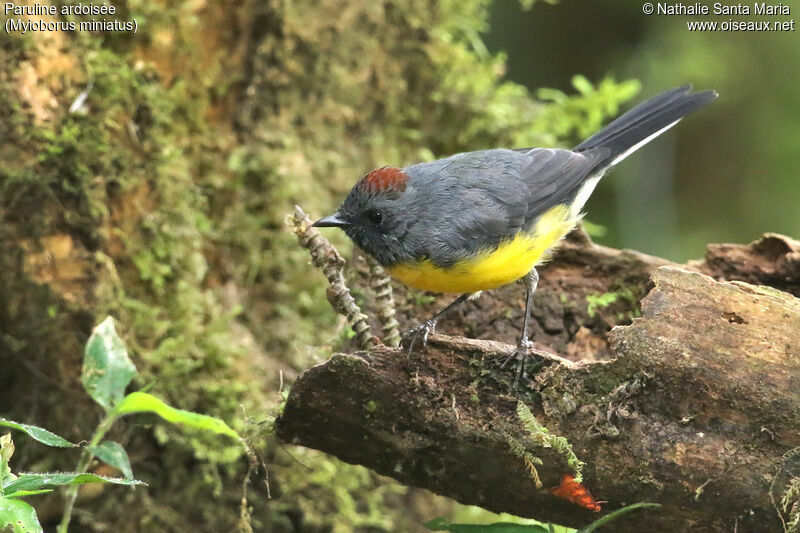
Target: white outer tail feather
x,y
583,195
641,143
588,186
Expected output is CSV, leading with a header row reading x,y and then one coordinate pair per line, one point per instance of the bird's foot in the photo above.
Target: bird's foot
x,y
426,328
521,354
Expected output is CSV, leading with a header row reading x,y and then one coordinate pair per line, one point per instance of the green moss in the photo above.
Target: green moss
x,y
135,152
323,497
790,505
542,437
420,299
528,459
630,297
596,301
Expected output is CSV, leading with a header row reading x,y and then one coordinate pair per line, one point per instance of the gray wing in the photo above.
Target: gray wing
x,y
476,201
555,176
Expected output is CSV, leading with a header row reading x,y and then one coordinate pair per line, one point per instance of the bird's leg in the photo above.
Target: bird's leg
x,y
531,280
429,326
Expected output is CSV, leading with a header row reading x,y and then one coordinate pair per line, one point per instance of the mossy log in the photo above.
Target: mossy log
x,y
692,402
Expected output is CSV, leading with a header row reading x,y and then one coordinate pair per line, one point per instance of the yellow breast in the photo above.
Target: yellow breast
x,y
489,270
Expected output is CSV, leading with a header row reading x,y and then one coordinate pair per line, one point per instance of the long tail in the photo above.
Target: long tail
x,y
645,122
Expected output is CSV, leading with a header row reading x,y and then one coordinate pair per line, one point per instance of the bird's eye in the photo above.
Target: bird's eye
x,y
375,217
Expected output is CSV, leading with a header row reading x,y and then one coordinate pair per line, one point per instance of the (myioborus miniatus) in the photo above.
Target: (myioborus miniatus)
x,y
479,220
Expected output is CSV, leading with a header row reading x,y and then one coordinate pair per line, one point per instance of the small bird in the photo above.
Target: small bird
x,y
480,220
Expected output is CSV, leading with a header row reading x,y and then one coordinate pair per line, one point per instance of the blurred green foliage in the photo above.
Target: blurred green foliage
x,y
728,173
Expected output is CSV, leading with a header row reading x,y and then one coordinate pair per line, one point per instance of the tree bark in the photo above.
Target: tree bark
x,y
691,400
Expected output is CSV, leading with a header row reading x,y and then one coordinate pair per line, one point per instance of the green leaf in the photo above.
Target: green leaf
x,y
113,454
19,515
583,85
441,524
39,481
107,369
6,452
616,514
141,402
40,434
23,493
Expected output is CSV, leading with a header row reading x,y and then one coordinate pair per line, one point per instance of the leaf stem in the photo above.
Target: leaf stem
x,y
616,514
83,466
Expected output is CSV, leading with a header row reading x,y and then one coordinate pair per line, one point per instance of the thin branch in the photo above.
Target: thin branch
x,y
325,257
382,288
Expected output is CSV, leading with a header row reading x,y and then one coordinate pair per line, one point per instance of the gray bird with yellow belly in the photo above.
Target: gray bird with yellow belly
x,y
479,220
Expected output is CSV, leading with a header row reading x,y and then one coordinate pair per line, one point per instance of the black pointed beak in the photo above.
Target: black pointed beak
x,y
336,220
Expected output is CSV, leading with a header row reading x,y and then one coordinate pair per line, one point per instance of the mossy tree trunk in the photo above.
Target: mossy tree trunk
x,y
691,402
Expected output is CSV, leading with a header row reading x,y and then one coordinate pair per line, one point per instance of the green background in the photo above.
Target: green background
x,y
728,173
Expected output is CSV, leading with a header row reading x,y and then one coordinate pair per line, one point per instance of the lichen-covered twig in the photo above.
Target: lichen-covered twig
x,y
382,288
325,257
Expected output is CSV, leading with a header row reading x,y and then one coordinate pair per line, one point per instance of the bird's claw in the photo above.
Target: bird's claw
x,y
521,355
424,329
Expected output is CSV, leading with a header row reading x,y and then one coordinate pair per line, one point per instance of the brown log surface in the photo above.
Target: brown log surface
x,y
692,404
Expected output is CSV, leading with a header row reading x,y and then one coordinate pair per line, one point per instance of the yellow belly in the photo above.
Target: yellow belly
x,y
489,270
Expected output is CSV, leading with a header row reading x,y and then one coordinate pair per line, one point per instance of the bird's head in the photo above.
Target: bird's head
x,y
376,215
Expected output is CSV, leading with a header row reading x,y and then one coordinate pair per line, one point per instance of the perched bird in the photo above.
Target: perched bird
x,y
479,220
